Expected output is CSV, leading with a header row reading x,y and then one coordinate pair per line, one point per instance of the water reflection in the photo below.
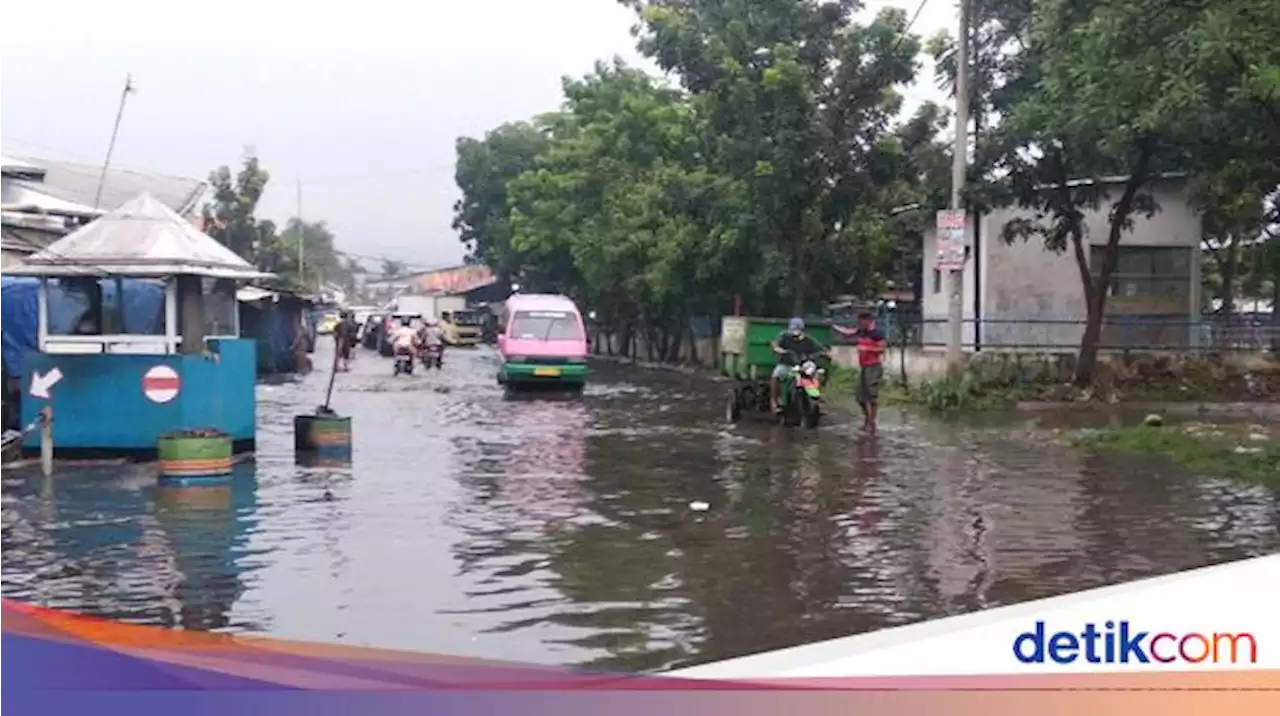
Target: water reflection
x,y
108,541
561,530
198,521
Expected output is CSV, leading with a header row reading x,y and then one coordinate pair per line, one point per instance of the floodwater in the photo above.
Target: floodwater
x,y
558,530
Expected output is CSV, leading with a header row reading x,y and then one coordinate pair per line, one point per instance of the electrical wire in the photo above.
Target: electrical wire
x,y
910,23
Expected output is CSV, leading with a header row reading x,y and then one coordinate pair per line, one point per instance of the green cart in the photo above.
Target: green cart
x,y
747,357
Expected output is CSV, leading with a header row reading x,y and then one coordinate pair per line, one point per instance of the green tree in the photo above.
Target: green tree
x,y
303,255
392,268
229,218
484,169
1121,88
922,166
622,211
799,101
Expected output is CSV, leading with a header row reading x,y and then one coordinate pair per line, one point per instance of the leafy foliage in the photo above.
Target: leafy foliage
x,y
771,172
773,167
231,219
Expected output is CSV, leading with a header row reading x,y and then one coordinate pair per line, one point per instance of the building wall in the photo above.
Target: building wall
x,y
1023,282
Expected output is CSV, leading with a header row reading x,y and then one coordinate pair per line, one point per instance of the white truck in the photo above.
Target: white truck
x,y
429,306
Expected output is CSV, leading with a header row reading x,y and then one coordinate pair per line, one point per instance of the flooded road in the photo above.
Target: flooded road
x,y
558,530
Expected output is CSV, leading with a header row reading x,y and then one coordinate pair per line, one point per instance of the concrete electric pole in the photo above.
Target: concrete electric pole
x,y
959,168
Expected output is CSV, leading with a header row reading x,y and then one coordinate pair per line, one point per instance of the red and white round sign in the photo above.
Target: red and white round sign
x,y
161,384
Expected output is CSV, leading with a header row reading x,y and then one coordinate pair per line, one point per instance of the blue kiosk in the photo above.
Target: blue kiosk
x,y
138,335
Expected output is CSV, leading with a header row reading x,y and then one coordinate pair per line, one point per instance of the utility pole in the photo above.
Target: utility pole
x,y
111,146
959,167
302,235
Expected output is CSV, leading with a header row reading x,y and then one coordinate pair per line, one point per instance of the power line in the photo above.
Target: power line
x,y
383,175
910,23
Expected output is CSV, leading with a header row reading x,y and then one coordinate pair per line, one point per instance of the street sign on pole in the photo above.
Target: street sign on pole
x,y
951,240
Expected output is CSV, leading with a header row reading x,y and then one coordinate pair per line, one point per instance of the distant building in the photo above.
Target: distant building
x,y
1026,296
469,280
44,200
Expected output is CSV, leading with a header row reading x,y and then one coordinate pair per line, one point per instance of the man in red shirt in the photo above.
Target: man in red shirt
x,y
871,345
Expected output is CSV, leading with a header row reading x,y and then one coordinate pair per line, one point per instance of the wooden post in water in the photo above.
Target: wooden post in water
x,y
46,441
333,373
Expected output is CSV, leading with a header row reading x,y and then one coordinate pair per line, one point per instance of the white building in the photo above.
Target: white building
x,y
1028,297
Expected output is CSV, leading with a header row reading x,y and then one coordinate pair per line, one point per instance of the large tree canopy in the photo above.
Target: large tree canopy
x,y
772,164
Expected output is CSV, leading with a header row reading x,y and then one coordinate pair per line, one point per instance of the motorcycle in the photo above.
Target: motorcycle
x,y
404,362
801,392
433,356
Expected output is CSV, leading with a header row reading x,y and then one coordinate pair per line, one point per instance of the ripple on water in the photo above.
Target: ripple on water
x,y
556,529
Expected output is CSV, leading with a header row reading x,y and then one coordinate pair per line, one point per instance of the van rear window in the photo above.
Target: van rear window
x,y
546,326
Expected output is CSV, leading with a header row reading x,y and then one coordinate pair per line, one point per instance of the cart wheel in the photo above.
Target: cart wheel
x,y
733,407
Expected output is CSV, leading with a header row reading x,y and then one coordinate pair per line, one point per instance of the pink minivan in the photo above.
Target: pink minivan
x,y
544,341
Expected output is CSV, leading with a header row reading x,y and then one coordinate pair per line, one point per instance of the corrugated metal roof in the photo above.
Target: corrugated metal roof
x,y
142,238
78,183
28,239
457,279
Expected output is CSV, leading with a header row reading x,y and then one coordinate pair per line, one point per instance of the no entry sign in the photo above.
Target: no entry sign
x,y
161,384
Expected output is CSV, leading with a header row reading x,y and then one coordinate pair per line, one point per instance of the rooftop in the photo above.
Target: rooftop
x,y
536,301
141,238
76,183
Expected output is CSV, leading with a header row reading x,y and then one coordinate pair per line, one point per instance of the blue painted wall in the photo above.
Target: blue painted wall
x,y
99,403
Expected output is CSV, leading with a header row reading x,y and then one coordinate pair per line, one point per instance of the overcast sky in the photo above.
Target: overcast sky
x,y
361,101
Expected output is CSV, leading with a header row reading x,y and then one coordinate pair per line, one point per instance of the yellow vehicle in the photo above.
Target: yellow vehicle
x,y
328,322
461,328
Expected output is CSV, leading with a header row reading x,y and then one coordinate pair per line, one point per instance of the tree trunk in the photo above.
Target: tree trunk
x,y
1229,266
693,343
1098,285
625,346
677,336
1275,312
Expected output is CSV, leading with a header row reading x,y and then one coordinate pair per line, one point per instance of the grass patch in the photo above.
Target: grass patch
x,y
953,395
841,380
1241,451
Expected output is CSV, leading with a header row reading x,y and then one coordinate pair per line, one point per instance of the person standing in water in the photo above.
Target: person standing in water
x,y
871,344
344,340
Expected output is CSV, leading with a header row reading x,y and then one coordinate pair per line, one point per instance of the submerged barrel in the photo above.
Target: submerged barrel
x,y
186,454
322,437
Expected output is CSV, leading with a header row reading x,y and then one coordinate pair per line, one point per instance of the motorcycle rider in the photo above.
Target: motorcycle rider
x,y
789,346
405,341
432,336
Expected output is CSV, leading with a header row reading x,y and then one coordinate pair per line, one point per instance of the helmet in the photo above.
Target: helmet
x,y
796,325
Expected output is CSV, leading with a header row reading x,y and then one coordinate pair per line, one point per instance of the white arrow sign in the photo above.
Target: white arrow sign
x,y
40,384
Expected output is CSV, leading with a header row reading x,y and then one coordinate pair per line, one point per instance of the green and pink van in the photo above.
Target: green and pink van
x,y
544,342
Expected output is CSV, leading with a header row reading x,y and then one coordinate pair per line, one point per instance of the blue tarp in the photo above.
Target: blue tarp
x,y
19,312
274,325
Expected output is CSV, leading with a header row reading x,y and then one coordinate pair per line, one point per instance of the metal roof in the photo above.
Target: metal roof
x,y
78,184
141,238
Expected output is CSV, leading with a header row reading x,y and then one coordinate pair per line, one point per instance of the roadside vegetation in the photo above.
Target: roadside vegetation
x,y
998,382
1250,451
